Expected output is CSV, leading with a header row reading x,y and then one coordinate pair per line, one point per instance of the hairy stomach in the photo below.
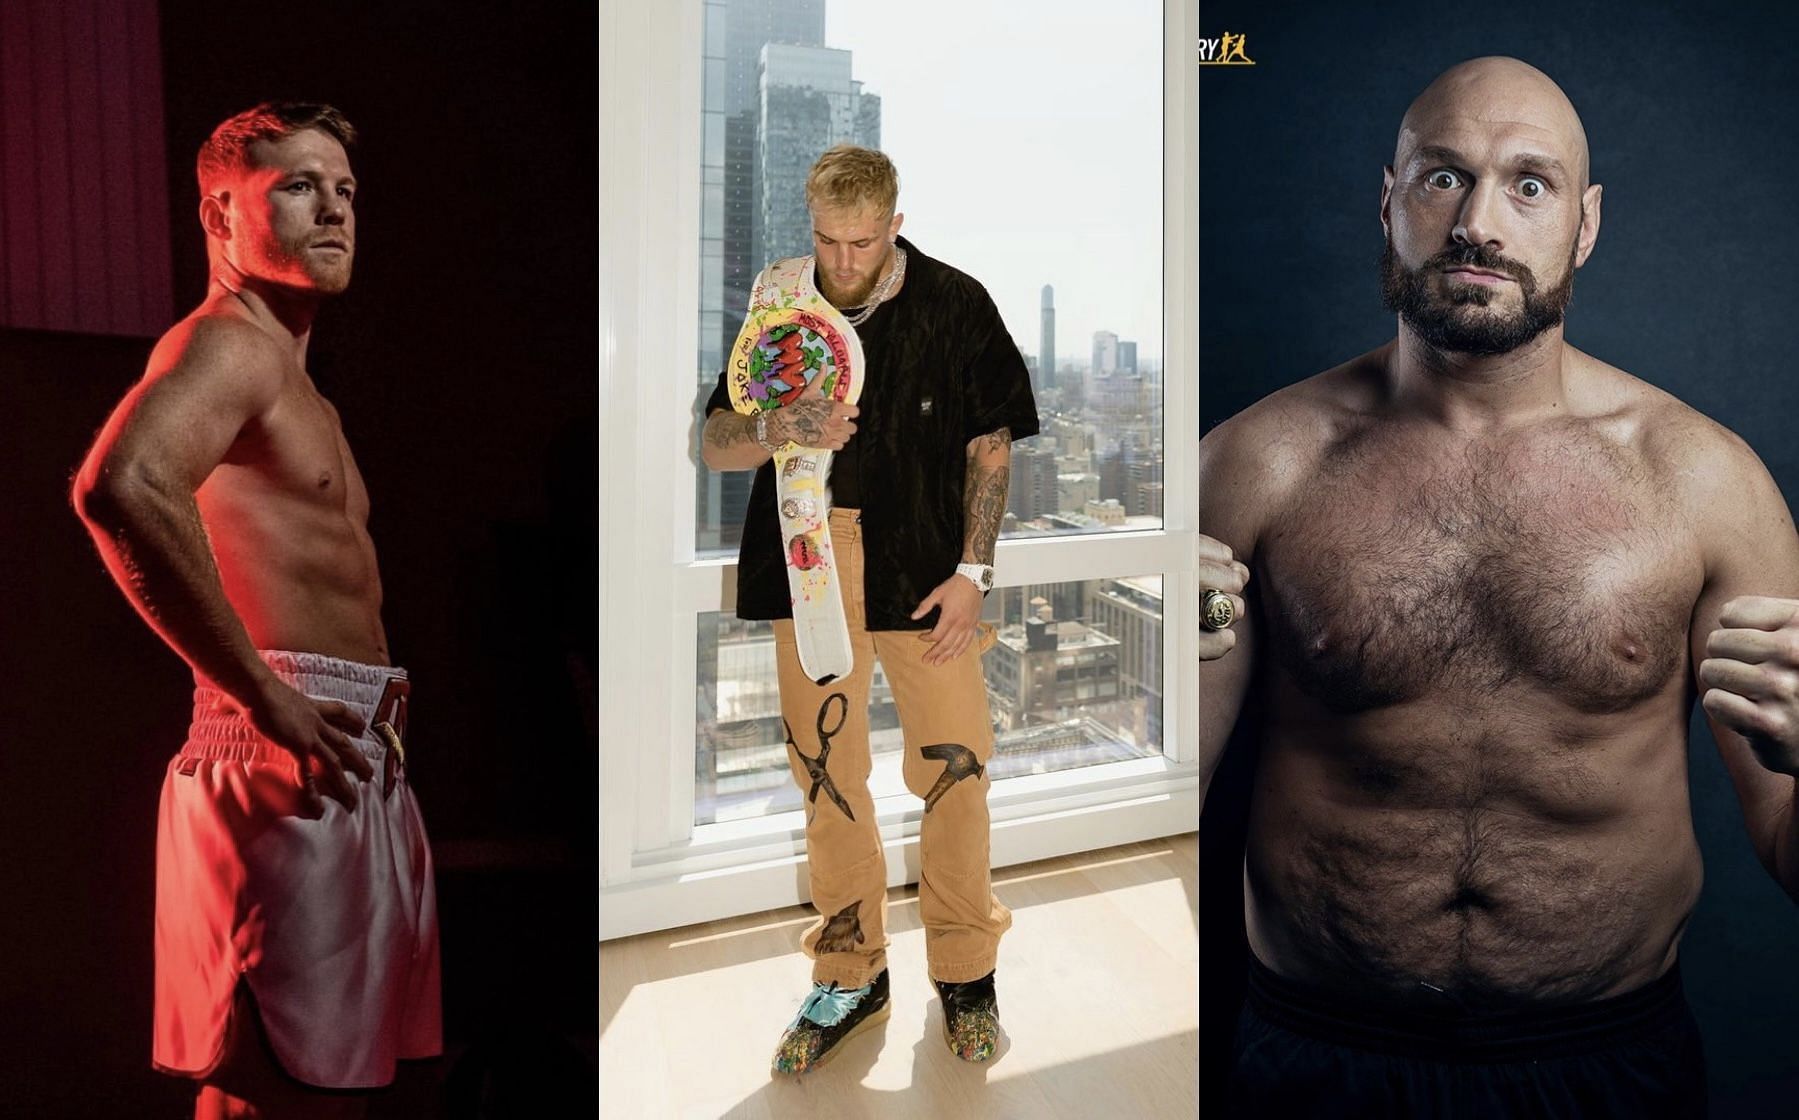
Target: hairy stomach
x,y
1482,902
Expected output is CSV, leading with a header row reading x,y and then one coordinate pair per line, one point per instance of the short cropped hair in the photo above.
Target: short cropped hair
x,y
853,178
227,150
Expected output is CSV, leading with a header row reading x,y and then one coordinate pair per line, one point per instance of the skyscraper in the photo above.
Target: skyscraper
x,y
731,199
1033,489
1046,341
1105,354
809,103
735,33
1142,465
753,24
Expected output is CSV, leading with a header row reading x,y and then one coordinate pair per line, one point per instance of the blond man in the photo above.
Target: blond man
x,y
918,488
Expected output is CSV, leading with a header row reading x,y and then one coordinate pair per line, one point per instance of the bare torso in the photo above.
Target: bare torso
x,y
287,515
1473,651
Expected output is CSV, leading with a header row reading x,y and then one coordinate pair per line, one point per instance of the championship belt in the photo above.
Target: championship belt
x,y
793,337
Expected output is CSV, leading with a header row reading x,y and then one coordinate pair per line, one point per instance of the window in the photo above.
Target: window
x,y
705,129
1065,234
1074,679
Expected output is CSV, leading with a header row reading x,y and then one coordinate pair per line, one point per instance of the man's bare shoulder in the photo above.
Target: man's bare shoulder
x,y
1703,463
213,345
1280,437
1249,463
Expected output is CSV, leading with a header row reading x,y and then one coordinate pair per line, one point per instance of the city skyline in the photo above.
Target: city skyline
x,y
784,82
970,230
1075,675
978,115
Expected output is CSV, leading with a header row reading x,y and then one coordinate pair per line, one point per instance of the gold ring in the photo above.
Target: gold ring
x,y
1216,611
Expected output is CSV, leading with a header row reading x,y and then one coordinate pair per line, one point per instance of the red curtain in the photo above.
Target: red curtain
x,y
84,219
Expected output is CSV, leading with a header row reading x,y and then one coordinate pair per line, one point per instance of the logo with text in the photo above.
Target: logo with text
x,y
1226,50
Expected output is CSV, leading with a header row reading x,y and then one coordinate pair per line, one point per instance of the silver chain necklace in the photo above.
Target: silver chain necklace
x,y
882,290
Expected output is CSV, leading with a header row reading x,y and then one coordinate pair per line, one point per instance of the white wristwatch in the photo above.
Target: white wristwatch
x,y
981,575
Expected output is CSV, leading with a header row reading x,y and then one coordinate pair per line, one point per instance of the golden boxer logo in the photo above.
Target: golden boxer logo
x,y
1226,50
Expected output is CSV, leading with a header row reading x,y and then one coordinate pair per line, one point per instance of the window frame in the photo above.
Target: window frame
x,y
656,870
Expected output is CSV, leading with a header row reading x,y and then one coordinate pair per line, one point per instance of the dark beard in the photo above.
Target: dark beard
x,y
1443,323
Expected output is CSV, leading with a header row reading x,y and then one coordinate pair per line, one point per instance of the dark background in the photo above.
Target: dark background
x,y
1690,112
462,361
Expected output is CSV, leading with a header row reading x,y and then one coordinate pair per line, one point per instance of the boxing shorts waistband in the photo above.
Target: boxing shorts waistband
x,y
377,694
1451,1034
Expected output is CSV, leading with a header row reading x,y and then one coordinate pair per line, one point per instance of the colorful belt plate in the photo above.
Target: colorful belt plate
x,y
793,337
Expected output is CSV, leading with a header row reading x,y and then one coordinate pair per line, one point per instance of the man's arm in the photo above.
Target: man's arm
x,y
1745,649
987,476
984,486
728,442
1232,487
135,492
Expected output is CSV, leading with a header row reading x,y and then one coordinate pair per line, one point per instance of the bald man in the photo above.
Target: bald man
x,y
1490,574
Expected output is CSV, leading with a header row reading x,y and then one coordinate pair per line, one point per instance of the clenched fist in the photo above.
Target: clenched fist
x,y
1751,674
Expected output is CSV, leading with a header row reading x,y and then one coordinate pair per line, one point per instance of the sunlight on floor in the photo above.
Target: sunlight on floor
x,y
1098,999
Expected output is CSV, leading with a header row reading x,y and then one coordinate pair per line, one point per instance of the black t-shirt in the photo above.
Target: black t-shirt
x,y
846,465
940,370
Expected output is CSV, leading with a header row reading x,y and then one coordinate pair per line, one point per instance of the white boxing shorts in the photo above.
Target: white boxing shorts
x,y
332,922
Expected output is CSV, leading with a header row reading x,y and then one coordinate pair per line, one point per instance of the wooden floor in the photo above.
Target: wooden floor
x,y
1098,994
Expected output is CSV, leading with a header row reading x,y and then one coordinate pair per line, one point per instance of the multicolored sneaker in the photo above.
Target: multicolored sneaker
x,y
830,1016
970,1018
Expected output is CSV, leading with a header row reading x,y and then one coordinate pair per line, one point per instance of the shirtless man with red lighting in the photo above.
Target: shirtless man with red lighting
x,y
1490,575
296,937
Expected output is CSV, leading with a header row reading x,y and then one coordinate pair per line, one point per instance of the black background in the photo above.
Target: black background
x,y
462,361
1691,113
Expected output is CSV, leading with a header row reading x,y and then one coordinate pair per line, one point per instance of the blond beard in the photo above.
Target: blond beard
x,y
857,296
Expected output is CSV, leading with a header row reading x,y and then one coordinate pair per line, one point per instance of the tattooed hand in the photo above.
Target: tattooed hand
x,y
812,421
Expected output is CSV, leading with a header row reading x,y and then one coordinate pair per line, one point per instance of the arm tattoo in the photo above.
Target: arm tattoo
x,y
997,441
983,509
727,429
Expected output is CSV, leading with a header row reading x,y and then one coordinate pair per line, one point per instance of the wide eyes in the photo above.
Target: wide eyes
x,y
1444,179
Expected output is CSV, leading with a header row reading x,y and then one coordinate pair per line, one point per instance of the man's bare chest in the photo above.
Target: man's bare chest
x,y
298,450
1405,570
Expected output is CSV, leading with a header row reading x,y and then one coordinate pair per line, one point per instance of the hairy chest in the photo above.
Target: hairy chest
x,y
1407,569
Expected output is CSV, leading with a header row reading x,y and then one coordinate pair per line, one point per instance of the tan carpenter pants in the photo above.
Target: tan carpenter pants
x,y
948,739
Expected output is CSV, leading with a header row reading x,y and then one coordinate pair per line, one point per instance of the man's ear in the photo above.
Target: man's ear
x,y
893,230
1589,223
1386,200
215,215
